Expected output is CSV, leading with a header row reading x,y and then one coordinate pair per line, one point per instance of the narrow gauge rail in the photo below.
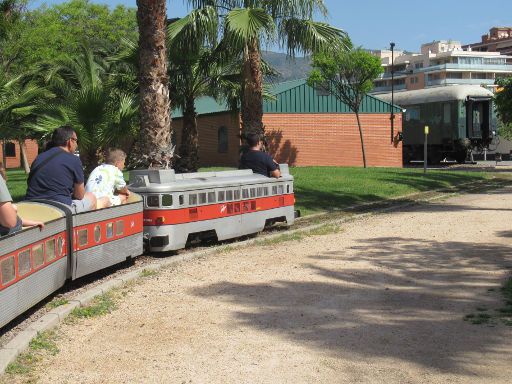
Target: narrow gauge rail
x,y
170,210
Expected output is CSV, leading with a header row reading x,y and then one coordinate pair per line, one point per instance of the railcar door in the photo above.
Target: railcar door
x,y
478,119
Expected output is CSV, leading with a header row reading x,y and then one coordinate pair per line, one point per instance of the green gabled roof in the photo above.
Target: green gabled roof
x,y
278,88
295,96
298,97
204,105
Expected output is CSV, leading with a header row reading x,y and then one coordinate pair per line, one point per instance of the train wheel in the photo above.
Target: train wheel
x,y
460,156
435,157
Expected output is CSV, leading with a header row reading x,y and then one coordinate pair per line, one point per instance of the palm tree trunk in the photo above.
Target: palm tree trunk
x,y
23,156
154,145
189,148
4,156
252,98
361,136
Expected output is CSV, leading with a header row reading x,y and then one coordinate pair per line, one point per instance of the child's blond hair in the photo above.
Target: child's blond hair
x,y
114,155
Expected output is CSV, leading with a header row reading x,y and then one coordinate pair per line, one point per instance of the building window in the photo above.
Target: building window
x,y
222,137
10,150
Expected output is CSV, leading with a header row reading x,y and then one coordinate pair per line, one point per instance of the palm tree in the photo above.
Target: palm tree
x,y
248,23
89,99
20,104
154,145
195,71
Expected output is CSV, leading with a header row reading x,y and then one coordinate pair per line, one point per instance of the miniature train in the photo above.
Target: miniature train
x,y
164,211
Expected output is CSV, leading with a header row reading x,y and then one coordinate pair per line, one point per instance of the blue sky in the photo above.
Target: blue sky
x,y
409,23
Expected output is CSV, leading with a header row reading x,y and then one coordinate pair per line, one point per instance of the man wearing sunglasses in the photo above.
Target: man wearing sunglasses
x,y
57,174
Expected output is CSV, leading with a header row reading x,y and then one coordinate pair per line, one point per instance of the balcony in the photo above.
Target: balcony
x,y
387,88
469,67
434,83
397,75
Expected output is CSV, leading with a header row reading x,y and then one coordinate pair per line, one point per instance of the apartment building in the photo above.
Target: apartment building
x,y
499,39
441,63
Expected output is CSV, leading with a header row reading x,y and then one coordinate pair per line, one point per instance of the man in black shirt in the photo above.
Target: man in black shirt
x,y
260,162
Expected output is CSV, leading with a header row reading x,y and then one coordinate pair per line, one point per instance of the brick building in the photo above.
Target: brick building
x,y
13,154
304,126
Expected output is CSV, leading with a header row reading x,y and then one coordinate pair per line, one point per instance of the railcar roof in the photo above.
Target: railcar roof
x,y
432,95
167,181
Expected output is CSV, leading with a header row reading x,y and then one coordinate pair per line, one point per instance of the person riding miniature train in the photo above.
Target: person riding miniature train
x,y
57,174
10,222
257,160
106,181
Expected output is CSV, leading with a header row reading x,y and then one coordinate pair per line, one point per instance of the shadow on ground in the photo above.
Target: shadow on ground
x,y
408,304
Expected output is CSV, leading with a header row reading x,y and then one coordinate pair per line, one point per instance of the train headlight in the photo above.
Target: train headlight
x,y
160,220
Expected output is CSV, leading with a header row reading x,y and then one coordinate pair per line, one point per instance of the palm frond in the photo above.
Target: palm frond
x,y
245,24
198,28
308,36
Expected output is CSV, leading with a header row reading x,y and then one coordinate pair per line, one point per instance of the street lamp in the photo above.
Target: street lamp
x,y
392,117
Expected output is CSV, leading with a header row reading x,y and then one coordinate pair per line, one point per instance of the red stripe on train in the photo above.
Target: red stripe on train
x,y
5,263
86,236
159,217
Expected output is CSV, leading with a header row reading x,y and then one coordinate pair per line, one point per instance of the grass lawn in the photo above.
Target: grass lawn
x,y
320,189
325,188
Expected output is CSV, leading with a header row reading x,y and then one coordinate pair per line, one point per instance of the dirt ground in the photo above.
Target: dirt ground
x,y
381,301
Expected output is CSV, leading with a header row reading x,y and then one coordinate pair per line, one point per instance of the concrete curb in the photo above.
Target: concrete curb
x,y
10,351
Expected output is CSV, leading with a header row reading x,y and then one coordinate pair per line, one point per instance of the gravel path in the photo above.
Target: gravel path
x,y
381,301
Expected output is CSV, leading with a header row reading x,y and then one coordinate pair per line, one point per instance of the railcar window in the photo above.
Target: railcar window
x,y
192,199
181,199
60,244
153,201
119,227
202,198
50,250
24,265
82,237
220,196
38,255
236,194
110,230
229,195
274,189
259,192
280,189
211,197
166,200
97,233
245,193
8,270
265,191
253,193
288,188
